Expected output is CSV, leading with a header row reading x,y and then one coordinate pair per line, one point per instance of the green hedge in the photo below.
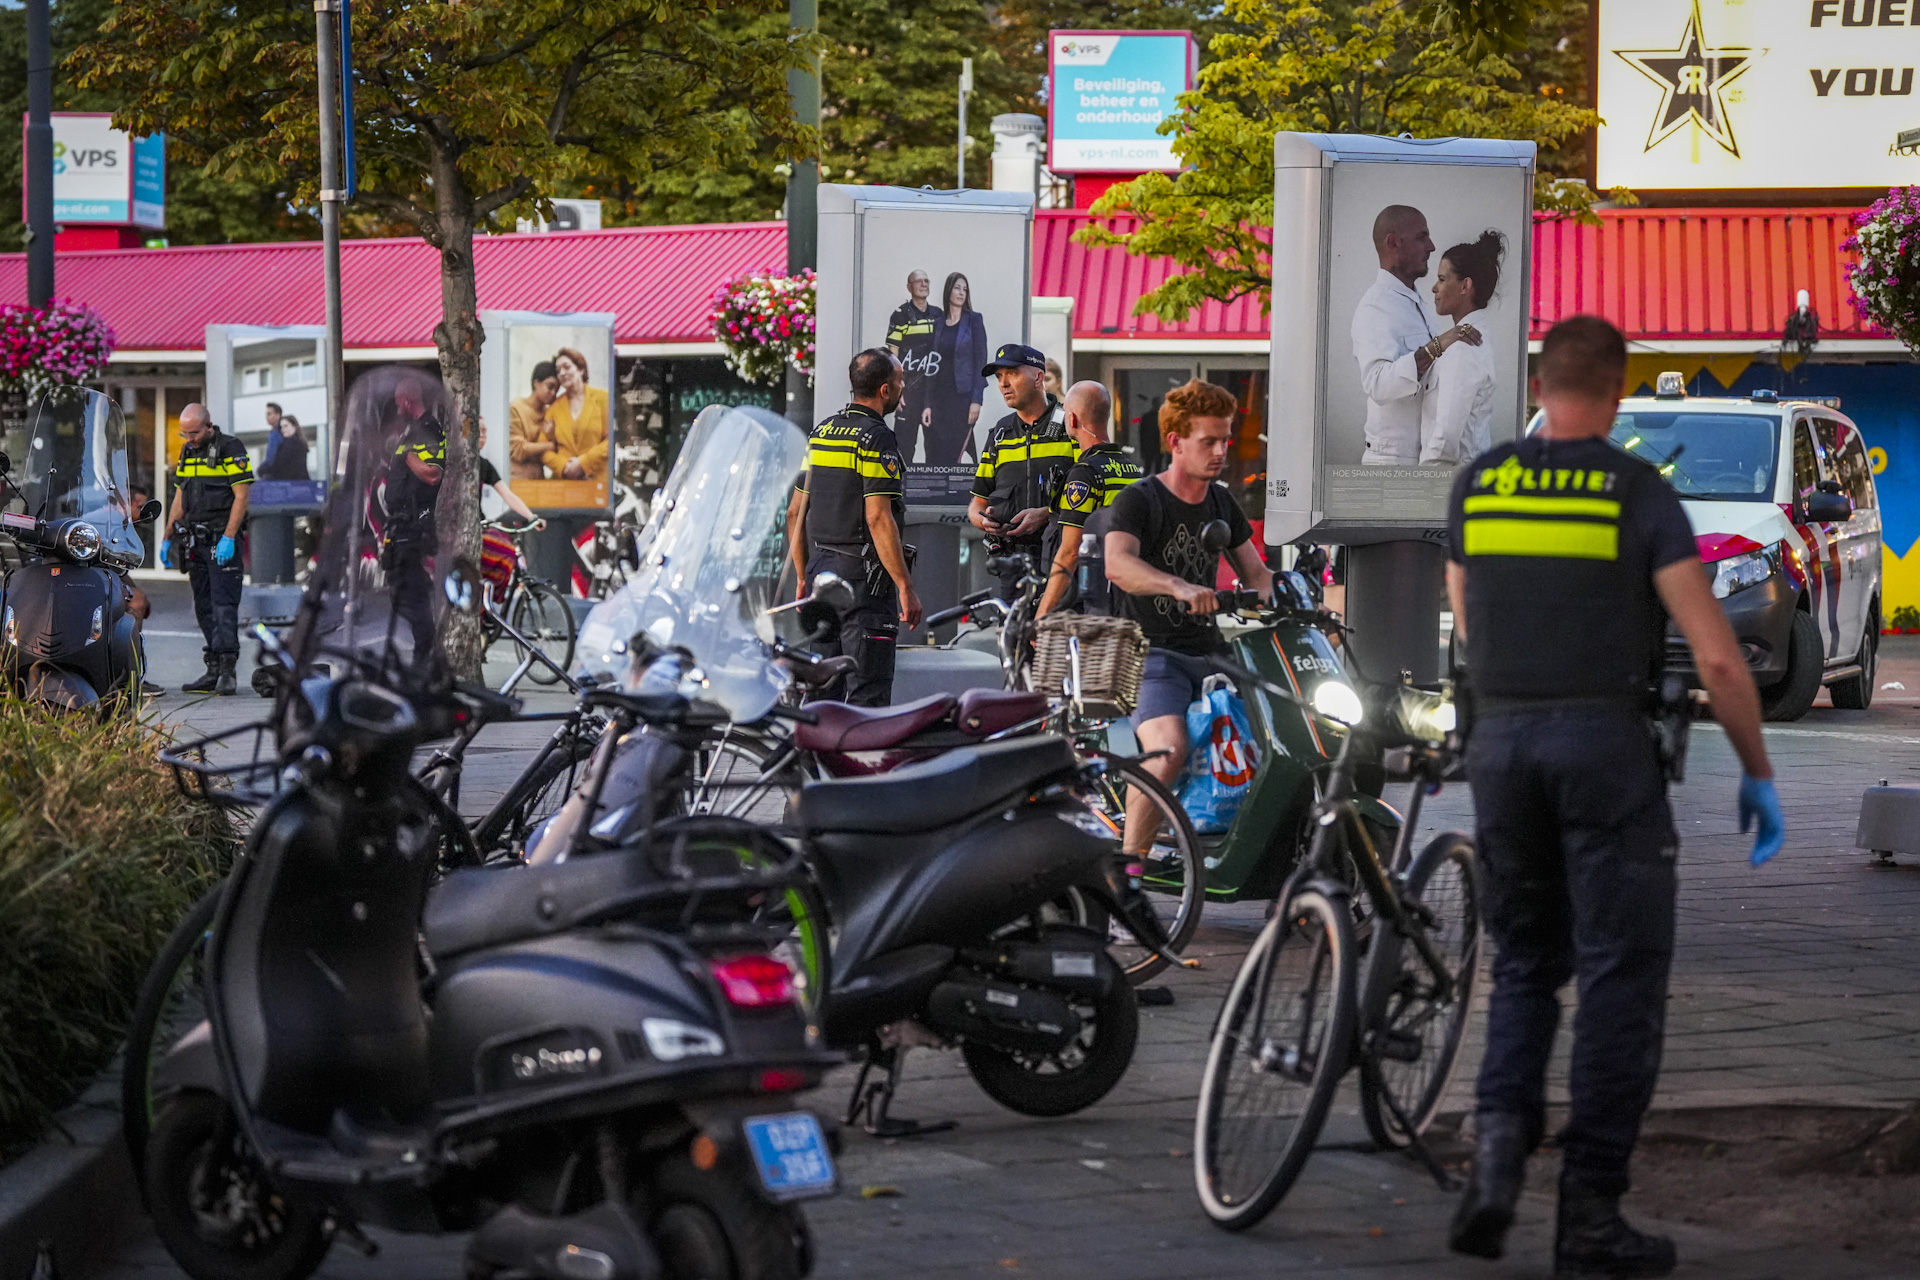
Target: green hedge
x,y
99,857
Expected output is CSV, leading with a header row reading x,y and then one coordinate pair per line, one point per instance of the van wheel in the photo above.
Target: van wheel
x,y
1794,693
1855,693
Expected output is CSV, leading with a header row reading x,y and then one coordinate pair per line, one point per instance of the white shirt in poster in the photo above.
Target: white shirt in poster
x,y
1391,321
1456,413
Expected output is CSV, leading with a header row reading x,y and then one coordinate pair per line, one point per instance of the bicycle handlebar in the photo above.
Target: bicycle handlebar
x,y
501,526
960,610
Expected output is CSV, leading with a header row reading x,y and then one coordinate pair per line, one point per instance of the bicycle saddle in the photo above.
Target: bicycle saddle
x,y
841,727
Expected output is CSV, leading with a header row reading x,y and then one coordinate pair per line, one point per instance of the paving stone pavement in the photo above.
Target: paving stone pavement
x,y
1793,983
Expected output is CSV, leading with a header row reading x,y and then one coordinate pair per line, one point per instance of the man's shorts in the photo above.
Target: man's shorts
x,y
1171,682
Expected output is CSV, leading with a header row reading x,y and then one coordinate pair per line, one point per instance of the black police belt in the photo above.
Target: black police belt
x,y
872,572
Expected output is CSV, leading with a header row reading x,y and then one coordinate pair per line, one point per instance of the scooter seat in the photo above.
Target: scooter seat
x,y
848,728
935,793
478,907
983,712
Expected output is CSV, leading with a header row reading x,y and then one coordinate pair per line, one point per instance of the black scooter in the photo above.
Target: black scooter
x,y
68,636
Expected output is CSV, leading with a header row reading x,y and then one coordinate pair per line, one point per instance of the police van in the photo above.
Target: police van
x,y
1780,495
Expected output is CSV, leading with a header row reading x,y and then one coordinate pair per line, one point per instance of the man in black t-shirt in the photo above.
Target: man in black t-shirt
x,y
1155,554
1567,556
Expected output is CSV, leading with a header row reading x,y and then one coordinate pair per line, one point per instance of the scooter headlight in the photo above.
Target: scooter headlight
x,y
81,540
1336,700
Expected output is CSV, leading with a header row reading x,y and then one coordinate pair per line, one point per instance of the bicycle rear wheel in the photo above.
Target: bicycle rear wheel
x,y
737,777
1413,1034
542,615
1174,871
1279,1048
170,1005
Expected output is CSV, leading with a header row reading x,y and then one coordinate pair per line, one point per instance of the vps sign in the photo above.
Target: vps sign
x,y
101,175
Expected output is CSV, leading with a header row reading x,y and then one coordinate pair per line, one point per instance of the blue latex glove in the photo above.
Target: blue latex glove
x,y
223,552
1758,800
166,552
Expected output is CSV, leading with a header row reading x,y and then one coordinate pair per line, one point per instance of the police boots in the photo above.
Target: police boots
x,y
224,683
1592,1239
1499,1172
210,680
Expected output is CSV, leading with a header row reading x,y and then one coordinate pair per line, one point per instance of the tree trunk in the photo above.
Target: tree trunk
x,y
458,337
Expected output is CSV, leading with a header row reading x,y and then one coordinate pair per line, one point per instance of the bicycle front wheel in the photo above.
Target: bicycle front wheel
x,y
171,1003
1414,1027
1173,872
542,615
1279,1048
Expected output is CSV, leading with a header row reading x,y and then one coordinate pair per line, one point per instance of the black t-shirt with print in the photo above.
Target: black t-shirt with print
x,y
1169,534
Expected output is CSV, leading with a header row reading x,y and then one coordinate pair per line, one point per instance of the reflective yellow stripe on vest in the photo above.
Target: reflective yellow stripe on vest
x,y
1564,539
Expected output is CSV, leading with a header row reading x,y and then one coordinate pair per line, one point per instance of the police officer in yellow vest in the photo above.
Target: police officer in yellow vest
x,y
845,517
1567,558
1020,469
1088,490
203,537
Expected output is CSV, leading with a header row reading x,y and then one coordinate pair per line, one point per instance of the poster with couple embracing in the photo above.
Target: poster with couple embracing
x,y
1401,273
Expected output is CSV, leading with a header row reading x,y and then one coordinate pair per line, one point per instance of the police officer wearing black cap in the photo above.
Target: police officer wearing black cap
x,y
845,518
1026,456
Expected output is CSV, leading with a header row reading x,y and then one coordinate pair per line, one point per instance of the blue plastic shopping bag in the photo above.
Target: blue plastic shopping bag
x,y
1221,760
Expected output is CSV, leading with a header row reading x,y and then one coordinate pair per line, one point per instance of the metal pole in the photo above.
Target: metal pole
x,y
803,194
39,157
966,88
330,196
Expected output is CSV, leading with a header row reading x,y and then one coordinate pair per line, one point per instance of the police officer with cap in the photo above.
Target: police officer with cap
x,y
1026,456
1567,557
410,536
845,517
203,536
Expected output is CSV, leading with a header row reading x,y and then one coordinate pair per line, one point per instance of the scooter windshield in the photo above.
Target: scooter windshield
x,y
375,598
710,562
72,461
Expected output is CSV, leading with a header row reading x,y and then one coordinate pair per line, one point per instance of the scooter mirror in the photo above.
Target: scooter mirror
x,y
1214,536
462,588
149,510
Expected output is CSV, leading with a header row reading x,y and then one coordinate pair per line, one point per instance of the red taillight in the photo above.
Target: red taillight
x,y
755,982
781,1080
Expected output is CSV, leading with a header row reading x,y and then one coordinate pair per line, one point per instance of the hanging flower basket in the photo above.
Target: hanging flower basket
x,y
766,323
62,344
1886,276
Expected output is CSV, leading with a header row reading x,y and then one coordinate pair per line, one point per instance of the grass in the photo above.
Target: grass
x,y
99,857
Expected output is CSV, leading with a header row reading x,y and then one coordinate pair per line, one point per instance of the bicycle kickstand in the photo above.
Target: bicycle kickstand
x,y
1417,1145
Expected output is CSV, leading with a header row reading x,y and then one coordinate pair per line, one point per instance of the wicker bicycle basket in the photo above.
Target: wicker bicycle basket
x,y
1113,653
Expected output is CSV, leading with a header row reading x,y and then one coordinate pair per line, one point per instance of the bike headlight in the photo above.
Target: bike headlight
x,y
1336,700
1749,569
81,540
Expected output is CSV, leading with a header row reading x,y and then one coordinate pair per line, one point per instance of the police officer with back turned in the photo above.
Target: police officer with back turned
x,y
1567,557
845,517
203,531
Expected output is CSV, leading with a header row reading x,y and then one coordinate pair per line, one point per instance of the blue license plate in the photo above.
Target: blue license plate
x,y
792,1155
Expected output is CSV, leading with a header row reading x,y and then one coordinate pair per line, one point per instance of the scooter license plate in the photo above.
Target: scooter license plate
x,y
791,1154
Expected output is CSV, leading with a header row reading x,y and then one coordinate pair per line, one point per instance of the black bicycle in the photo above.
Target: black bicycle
x,y
1318,994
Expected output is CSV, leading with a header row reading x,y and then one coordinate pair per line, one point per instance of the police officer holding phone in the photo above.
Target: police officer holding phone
x,y
211,484
1567,557
845,517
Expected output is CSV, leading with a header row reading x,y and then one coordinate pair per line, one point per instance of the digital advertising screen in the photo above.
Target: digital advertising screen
x,y
1108,92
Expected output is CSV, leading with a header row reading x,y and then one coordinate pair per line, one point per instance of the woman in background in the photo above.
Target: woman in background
x,y
579,418
289,461
955,389
1456,414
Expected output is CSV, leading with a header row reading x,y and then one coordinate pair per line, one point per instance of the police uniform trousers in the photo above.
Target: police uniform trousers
x,y
412,590
1577,851
869,632
216,595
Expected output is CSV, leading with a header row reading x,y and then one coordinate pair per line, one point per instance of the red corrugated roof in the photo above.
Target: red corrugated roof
x,y
1674,273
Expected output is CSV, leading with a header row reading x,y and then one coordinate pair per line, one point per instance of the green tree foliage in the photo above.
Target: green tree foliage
x,y
1331,67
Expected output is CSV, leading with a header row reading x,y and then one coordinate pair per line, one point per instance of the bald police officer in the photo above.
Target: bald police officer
x,y
1567,558
845,517
1080,512
211,484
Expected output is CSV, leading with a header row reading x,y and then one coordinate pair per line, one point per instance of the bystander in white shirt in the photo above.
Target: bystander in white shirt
x,y
1456,412
1391,322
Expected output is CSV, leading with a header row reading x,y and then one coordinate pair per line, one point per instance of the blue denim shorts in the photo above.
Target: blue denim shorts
x,y
1169,685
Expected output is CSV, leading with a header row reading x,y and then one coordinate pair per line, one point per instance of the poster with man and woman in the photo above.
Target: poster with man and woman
x,y
559,438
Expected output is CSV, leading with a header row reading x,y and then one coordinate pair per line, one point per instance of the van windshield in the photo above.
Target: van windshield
x,y
1724,457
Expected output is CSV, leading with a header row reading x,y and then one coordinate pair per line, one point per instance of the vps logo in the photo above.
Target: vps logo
x,y
1693,80
84,158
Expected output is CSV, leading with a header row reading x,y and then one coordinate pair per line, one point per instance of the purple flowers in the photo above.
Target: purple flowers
x,y
766,322
1886,243
64,343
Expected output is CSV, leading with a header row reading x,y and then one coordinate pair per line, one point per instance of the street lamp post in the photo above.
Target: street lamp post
x,y
39,156
966,91
803,194
326,20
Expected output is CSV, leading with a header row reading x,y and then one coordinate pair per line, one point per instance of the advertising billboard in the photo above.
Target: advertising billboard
x,y
103,176
1702,95
944,278
546,380
1107,93
1382,245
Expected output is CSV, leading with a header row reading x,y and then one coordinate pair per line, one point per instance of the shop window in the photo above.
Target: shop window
x,y
1246,472
1140,393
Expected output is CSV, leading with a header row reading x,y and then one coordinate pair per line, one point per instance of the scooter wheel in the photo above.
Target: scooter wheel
x,y
1074,1077
714,1224
213,1207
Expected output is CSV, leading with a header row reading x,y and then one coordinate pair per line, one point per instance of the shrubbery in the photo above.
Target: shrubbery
x,y
99,857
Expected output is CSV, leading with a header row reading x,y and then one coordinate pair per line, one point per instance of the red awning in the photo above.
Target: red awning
x,y
1727,275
